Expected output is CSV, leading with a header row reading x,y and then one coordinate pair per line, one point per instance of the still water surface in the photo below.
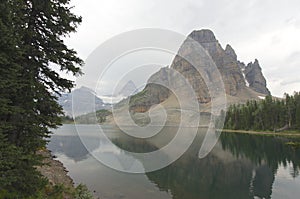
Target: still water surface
x,y
240,166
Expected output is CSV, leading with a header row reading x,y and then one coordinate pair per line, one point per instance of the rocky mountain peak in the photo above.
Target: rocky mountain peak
x,y
230,52
203,36
254,76
225,60
86,102
240,81
128,89
84,89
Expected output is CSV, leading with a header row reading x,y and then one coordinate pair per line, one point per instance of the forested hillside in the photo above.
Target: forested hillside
x,y
268,114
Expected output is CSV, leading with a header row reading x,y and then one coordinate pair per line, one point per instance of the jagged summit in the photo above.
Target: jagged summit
x,y
241,82
254,76
84,89
203,36
230,52
128,89
87,101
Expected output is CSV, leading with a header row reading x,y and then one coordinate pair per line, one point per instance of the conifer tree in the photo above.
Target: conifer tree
x,y
268,114
31,42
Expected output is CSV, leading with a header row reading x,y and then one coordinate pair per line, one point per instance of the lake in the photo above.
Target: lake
x,y
239,166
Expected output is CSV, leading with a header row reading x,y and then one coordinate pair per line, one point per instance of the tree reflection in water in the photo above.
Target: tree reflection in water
x,y
240,166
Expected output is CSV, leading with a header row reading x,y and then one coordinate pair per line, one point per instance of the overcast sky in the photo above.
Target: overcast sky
x,y
263,29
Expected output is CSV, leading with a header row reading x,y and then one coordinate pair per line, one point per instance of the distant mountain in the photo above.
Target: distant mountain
x,y
128,89
241,82
87,102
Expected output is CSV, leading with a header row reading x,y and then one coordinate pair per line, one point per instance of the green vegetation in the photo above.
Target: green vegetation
x,y
90,117
266,115
82,192
31,45
66,119
56,191
286,133
138,98
293,144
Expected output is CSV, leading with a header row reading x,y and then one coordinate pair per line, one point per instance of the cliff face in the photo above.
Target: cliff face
x,y
225,60
237,77
255,78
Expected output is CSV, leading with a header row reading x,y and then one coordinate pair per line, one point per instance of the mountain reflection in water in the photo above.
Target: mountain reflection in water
x,y
239,166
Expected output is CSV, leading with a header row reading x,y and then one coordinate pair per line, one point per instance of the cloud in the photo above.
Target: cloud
x,y
294,81
266,30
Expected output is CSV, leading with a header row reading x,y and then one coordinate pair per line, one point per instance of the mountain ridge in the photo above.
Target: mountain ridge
x,y
87,101
241,82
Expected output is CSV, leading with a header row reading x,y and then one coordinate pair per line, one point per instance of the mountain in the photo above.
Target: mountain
x,y
255,78
86,102
241,82
128,89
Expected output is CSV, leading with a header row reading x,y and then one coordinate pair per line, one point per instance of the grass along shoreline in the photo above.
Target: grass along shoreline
x,y
283,133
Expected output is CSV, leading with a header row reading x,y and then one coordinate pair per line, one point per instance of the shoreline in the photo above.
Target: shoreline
x,y
54,170
57,175
252,132
270,133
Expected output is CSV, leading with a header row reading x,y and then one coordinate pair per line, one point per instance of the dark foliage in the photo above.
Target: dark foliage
x,y
268,114
31,33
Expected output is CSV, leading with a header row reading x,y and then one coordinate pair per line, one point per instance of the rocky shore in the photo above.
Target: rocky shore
x,y
54,170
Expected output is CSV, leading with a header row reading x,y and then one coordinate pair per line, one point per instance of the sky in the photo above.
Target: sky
x,y
265,30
